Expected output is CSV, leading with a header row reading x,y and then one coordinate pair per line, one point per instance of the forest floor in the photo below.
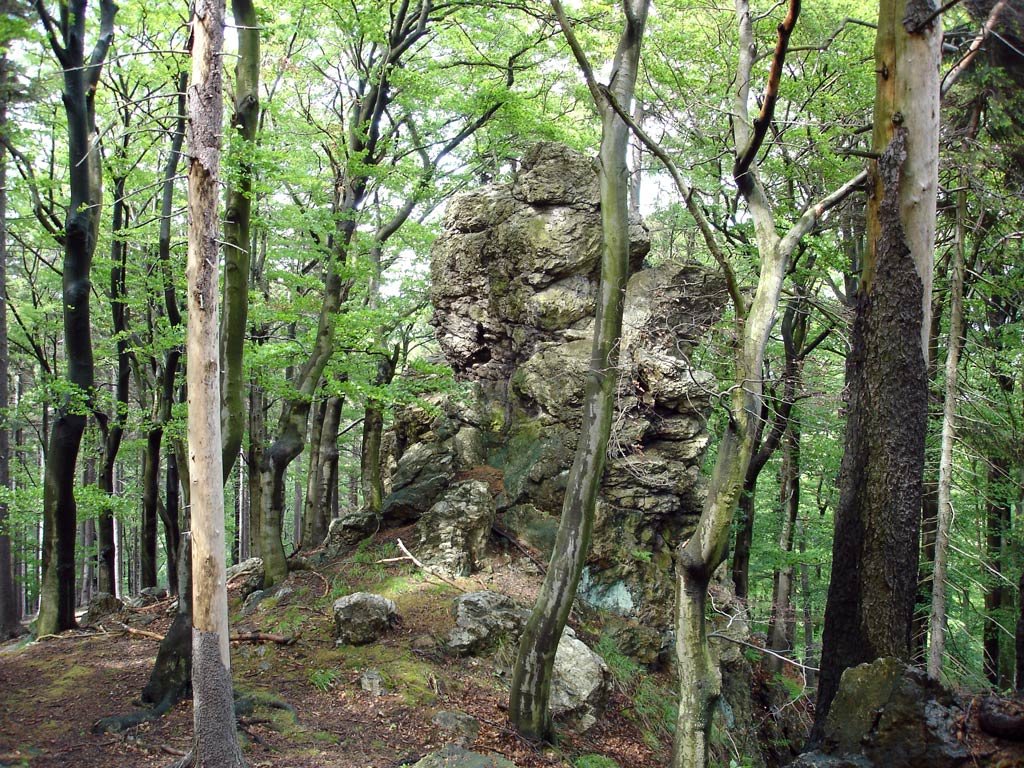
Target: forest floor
x,y
52,692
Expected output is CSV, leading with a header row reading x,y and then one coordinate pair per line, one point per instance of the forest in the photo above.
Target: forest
x,y
496,383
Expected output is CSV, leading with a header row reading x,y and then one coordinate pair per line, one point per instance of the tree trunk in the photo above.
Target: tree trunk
x,y
112,427
254,460
215,743
150,502
937,619
996,513
8,592
810,677
531,677
322,473
782,624
171,678
373,430
57,593
875,548
237,237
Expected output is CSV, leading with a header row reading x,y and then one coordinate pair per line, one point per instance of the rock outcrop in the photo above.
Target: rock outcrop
x,y
514,279
482,619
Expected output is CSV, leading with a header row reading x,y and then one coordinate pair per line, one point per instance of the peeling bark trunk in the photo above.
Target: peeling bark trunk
x,y
531,676
875,548
215,743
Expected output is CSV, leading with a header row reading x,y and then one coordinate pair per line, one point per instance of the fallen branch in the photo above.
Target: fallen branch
x,y
427,571
140,632
172,751
262,637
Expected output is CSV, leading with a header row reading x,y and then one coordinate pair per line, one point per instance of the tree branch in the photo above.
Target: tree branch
x,y
746,156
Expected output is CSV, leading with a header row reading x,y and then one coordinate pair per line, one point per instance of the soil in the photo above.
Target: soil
x,y
53,691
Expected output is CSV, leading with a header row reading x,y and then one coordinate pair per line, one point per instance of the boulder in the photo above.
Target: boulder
x,y
454,756
348,530
887,714
453,533
458,728
247,575
482,619
580,683
362,618
103,604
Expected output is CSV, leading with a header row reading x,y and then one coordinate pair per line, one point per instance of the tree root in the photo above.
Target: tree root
x,y
995,721
122,723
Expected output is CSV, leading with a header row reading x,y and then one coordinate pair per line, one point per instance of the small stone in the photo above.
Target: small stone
x,y
482,619
454,756
102,604
372,682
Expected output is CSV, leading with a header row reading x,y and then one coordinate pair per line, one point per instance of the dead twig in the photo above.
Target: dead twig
x,y
520,546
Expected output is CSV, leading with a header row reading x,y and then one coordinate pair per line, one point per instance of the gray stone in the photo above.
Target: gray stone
x,y
514,275
424,472
579,684
101,605
821,760
453,533
362,618
454,756
248,575
457,728
482,619
348,530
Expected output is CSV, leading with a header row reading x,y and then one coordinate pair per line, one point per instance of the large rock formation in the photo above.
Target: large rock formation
x,y
514,279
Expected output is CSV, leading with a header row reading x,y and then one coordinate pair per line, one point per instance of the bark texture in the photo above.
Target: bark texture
x,y
237,237
875,547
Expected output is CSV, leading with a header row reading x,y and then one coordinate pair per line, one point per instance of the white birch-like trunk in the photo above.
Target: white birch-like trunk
x,y
937,620
215,742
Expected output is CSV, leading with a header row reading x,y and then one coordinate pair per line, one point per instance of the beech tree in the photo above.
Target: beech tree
x,y
66,35
875,548
531,676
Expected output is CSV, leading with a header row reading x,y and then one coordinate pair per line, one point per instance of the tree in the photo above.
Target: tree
x,y
215,743
81,226
531,677
875,548
8,593
237,235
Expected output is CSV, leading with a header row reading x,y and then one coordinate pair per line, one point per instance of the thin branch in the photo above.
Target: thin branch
x,y
771,96
692,206
961,66
596,91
